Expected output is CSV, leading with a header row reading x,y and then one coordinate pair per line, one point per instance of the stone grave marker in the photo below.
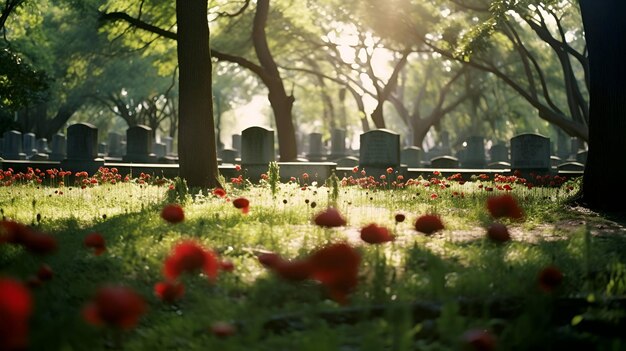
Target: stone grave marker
x,y
348,161
82,149
530,152
444,162
475,153
411,156
337,143
139,145
316,148
499,153
229,156
58,144
257,150
12,146
380,149
115,145
236,142
42,145
581,156
30,144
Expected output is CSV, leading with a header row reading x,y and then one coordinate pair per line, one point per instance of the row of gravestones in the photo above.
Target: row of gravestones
x,y
380,149
139,147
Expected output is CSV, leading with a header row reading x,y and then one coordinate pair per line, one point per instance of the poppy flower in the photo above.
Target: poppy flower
x,y
498,232
173,213
169,291
95,241
336,266
428,224
242,203
329,218
373,234
40,243
189,256
45,273
478,340
14,232
504,206
223,329
219,192
400,217
269,259
115,306
227,266
296,270
550,278
16,306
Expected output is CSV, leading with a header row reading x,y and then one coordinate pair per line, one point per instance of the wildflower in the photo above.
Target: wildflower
x,y
498,232
189,256
237,168
45,273
227,266
169,291
223,329
96,242
389,170
15,310
269,259
428,224
383,177
173,213
305,176
219,192
336,266
242,203
296,270
550,278
329,218
40,243
504,206
478,340
433,196
400,217
115,306
373,234
355,169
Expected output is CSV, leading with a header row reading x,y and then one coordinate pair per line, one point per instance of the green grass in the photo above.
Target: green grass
x,y
444,270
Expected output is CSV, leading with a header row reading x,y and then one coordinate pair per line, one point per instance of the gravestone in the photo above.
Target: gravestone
x,y
257,150
445,143
576,146
337,143
160,149
12,146
82,149
563,142
236,142
582,156
30,144
59,144
499,153
139,145
444,162
555,161
42,145
229,156
411,156
103,149
571,166
116,148
169,145
475,153
348,161
530,152
316,148
380,149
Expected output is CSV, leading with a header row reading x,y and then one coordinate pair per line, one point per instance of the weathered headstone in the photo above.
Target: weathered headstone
x,y
475,154
160,149
316,148
444,162
563,145
30,144
530,152
139,145
499,153
348,161
82,149
236,142
12,148
411,156
115,145
257,150
59,144
103,149
42,145
582,156
445,142
169,144
337,143
380,149
571,166
229,156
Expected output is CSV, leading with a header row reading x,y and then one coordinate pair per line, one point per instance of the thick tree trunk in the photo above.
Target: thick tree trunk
x,y
605,30
377,115
196,133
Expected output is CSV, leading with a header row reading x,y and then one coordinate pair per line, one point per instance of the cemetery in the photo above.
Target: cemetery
x,y
328,176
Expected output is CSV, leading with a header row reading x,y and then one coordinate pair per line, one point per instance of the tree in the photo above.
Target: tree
x,y
604,32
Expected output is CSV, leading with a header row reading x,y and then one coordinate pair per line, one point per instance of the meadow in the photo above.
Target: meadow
x,y
142,263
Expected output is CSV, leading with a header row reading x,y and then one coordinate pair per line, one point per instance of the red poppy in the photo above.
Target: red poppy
x,y
242,203
169,291
40,243
219,192
336,266
14,232
296,270
498,232
373,234
45,273
504,206
223,329
269,259
550,278
95,241
173,213
15,309
329,218
189,256
227,266
428,224
478,340
400,217
115,306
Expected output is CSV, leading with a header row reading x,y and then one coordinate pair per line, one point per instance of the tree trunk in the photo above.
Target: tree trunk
x,y
605,30
377,115
196,133
420,129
